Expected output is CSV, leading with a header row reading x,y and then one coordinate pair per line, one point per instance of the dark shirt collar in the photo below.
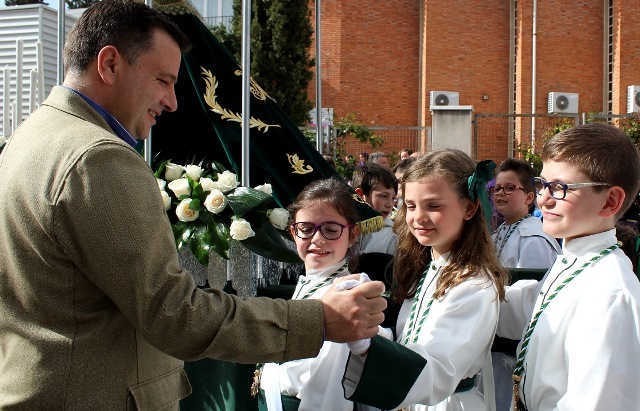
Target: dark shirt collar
x,y
118,129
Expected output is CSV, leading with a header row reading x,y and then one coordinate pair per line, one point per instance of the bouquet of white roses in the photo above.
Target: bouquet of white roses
x,y
207,208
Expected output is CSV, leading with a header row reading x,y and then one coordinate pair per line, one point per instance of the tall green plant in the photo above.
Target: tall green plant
x,y
349,127
533,156
280,41
79,4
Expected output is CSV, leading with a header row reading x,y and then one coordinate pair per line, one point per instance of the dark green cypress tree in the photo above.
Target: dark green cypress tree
x,y
22,2
281,33
79,4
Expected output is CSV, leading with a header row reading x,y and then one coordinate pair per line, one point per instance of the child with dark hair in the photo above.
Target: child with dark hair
x,y
324,228
519,242
580,326
377,186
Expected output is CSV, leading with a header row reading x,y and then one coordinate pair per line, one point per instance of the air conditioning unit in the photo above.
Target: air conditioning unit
x,y
633,99
443,98
563,103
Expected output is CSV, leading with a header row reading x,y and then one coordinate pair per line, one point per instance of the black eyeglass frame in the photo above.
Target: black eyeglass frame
x,y
554,187
318,227
512,189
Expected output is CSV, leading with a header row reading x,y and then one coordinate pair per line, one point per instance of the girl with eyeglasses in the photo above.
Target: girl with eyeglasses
x,y
450,285
325,230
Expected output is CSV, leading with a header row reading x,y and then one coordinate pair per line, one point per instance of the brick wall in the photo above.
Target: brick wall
x,y
380,59
627,51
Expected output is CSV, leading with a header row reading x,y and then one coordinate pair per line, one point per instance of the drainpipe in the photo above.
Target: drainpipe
x,y
533,73
318,119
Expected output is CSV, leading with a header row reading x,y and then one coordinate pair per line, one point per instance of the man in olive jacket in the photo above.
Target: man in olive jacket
x,y
96,313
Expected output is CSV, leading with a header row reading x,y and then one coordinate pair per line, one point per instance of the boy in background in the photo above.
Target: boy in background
x,y
378,187
580,326
519,242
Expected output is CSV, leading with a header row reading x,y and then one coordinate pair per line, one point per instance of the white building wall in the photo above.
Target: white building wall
x,y
31,23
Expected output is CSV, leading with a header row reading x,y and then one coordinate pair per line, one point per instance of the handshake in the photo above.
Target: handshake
x,y
360,347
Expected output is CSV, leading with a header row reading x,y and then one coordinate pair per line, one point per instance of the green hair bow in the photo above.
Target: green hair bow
x,y
477,186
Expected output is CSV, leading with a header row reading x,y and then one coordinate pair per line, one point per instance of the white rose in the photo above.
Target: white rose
x,y
173,171
194,172
265,188
166,200
241,229
227,181
216,201
279,217
161,183
208,184
184,213
180,187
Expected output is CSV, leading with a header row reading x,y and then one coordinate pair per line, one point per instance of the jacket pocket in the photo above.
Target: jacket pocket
x,y
160,392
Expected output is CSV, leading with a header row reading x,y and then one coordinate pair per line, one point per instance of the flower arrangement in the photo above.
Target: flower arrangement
x,y
207,208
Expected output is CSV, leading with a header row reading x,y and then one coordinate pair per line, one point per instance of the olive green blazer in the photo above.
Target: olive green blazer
x,y
96,313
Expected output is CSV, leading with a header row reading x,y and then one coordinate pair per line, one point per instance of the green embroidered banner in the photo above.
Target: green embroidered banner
x,y
207,124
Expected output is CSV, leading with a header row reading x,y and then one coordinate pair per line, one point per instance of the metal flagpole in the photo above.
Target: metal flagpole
x,y
246,79
318,83
246,104
61,37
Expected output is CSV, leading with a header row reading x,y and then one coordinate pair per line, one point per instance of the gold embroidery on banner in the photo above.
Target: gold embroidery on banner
x,y
298,165
256,90
210,98
358,198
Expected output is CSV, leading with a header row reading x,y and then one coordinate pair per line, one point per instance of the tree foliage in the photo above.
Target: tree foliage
x,y
23,2
280,40
79,4
349,127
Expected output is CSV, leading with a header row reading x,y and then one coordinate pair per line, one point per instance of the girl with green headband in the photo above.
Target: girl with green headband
x,y
450,285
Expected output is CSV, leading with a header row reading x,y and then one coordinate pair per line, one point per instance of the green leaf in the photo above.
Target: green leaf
x,y
198,192
195,205
245,199
219,233
160,171
268,242
182,233
217,167
200,243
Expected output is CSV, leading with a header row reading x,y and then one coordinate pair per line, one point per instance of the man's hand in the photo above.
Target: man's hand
x,y
353,314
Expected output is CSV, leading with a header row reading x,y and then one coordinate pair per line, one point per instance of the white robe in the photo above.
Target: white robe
x,y
528,246
455,340
315,381
583,353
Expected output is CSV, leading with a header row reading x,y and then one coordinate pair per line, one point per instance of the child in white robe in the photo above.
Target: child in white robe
x,y
451,285
580,326
324,228
519,242
377,186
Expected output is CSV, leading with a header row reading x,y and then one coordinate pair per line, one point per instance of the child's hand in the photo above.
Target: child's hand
x,y
359,347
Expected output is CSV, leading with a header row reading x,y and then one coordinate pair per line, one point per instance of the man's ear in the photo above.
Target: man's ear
x,y
613,201
471,209
108,60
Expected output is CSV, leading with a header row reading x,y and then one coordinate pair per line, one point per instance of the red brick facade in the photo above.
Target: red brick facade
x,y
380,59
